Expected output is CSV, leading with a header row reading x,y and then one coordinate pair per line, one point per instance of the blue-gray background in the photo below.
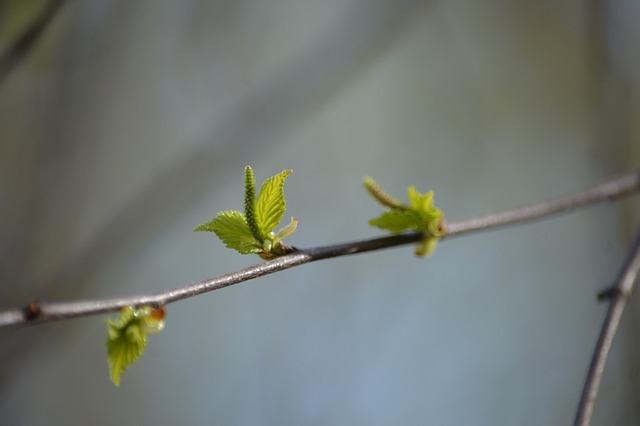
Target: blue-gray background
x,y
131,123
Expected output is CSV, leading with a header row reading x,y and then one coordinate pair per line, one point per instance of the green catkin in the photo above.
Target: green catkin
x,y
381,196
250,202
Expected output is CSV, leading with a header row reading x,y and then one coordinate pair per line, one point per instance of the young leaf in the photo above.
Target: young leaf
x,y
288,230
271,206
232,228
205,227
127,337
397,221
426,246
418,201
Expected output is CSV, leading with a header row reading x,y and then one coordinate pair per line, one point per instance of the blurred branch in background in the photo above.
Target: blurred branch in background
x,y
36,312
25,42
619,294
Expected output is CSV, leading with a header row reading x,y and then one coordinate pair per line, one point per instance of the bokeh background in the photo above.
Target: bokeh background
x,y
130,122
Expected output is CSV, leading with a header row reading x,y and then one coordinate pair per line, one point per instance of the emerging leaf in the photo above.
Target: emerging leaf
x,y
426,246
271,206
232,228
420,202
127,337
288,230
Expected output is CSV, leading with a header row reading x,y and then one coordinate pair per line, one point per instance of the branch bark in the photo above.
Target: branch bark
x,y
39,312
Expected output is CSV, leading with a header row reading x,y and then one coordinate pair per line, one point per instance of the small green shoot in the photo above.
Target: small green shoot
x,y
127,337
420,215
253,230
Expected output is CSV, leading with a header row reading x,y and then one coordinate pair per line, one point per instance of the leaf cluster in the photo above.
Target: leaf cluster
x,y
127,337
253,230
420,215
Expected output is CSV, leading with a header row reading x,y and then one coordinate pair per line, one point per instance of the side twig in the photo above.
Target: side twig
x,y
37,312
618,296
17,51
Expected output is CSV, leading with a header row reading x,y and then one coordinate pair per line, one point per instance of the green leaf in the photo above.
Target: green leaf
x,y
232,228
271,206
127,337
205,227
397,221
418,201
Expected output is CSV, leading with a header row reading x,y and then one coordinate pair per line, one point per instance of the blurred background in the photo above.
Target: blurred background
x,y
130,122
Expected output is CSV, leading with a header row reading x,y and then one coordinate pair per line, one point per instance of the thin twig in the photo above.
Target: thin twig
x,y
611,190
36,312
15,53
618,295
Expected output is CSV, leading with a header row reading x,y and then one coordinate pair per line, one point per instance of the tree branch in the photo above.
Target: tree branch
x,y
15,53
618,295
616,188
37,312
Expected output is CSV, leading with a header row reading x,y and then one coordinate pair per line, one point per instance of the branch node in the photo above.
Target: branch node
x,y
32,310
612,293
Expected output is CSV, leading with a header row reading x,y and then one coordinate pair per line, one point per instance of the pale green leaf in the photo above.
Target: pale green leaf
x,y
125,343
270,205
127,337
397,220
232,228
288,230
426,246
418,201
205,227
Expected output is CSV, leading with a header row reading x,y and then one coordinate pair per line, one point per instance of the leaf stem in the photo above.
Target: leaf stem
x,y
45,312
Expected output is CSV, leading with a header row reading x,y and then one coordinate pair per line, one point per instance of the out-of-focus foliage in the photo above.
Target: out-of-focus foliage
x,y
127,337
